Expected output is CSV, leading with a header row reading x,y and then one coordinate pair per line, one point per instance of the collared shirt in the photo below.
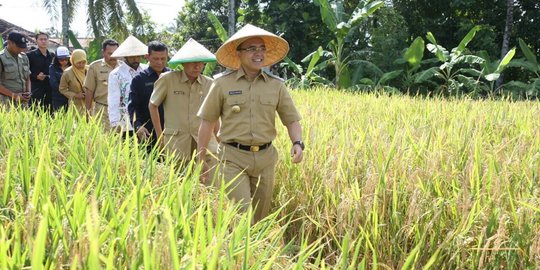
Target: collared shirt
x,y
248,108
118,94
181,100
97,79
39,63
14,72
142,86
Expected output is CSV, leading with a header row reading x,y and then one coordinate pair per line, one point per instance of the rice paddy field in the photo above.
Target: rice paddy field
x,y
387,182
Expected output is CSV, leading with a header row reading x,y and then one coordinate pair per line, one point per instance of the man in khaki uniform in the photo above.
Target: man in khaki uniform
x,y
14,70
182,93
96,82
246,100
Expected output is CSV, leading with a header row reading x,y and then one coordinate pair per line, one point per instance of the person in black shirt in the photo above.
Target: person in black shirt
x,y
142,87
56,69
40,60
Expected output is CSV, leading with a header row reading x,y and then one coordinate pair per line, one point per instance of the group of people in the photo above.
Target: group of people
x,y
226,123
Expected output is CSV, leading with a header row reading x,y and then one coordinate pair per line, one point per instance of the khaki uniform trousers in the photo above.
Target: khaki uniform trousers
x,y
100,109
249,177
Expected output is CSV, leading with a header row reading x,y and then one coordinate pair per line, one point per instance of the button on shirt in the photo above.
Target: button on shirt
x,y
118,94
97,79
248,108
139,97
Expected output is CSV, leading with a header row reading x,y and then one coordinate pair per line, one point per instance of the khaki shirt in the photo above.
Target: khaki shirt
x,y
70,86
97,80
181,101
14,71
248,108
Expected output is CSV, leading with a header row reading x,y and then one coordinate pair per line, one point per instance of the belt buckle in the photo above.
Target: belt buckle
x,y
254,148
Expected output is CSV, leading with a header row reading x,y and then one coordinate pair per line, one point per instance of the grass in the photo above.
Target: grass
x,y
386,183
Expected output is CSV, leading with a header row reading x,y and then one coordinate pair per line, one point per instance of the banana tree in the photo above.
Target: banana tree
x,y
530,64
342,26
452,72
310,78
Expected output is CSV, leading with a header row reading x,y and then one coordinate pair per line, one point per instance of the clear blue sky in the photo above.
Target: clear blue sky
x,y
30,14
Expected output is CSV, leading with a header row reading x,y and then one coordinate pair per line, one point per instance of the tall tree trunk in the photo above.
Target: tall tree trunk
x,y
232,17
506,36
65,23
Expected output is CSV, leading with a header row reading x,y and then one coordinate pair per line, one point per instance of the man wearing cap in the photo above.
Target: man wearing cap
x,y
132,50
96,82
182,93
246,100
40,60
142,87
14,70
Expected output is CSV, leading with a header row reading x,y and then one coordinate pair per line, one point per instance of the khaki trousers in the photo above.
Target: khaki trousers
x,y
249,177
102,110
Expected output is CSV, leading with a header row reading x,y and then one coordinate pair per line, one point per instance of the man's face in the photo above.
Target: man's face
x,y
12,47
193,70
157,60
109,49
251,53
42,41
133,61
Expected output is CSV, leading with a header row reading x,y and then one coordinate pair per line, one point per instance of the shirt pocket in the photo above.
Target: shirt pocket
x,y
103,78
269,100
26,72
11,72
236,100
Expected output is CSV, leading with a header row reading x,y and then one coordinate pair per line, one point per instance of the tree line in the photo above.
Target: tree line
x,y
430,47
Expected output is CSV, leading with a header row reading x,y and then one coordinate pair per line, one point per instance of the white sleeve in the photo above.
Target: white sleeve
x,y
113,99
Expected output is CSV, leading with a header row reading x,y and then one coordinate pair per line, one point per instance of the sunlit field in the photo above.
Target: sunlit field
x,y
386,183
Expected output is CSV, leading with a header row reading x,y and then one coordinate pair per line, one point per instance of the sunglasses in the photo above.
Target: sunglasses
x,y
252,49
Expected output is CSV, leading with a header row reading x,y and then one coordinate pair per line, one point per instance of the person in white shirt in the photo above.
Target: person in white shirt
x,y
132,50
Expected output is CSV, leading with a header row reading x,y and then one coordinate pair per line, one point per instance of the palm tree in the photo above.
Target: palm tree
x,y
105,17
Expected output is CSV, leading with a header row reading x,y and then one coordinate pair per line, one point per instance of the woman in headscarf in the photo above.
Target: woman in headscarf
x,y
56,69
71,84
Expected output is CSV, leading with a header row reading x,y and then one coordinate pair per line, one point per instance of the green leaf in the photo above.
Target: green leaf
x,y
1,43
527,52
435,48
506,60
415,52
465,41
426,74
388,76
74,40
327,14
220,30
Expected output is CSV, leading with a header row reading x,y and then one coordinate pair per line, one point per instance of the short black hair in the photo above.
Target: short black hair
x,y
109,42
156,46
41,33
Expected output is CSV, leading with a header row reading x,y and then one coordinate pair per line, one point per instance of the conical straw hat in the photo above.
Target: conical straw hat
x,y
191,52
276,47
130,47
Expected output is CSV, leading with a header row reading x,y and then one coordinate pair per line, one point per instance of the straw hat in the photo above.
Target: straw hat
x,y
276,47
130,47
191,52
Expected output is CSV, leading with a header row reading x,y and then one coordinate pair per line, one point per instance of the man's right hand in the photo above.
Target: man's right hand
x,y
21,97
143,133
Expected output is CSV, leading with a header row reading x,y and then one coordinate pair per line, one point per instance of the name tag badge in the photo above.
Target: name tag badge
x,y
235,92
103,71
179,92
149,84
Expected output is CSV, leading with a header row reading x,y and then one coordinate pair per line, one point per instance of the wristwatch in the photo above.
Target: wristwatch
x,y
301,143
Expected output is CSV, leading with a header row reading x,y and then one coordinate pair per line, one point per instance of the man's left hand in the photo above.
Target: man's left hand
x,y
297,153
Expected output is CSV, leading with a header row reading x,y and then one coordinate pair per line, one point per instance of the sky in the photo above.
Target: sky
x,y
30,14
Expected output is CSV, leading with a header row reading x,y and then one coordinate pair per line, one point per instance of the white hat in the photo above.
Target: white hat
x,y
276,47
130,47
191,52
62,52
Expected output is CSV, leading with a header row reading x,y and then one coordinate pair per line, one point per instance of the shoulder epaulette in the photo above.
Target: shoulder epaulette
x,y
267,71
224,73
